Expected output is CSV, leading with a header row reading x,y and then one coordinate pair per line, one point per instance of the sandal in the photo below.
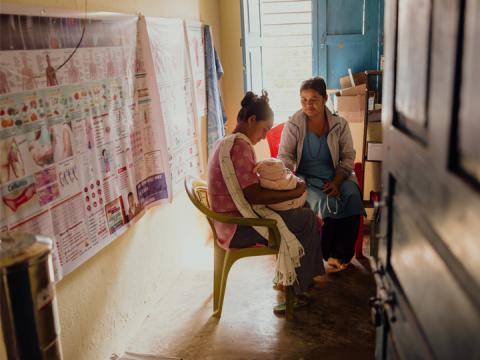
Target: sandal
x,y
337,265
299,302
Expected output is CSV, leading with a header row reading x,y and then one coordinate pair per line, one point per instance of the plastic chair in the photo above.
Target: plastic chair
x,y
224,259
274,135
273,138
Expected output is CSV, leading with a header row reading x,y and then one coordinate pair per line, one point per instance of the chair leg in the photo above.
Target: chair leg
x,y
227,264
218,260
289,299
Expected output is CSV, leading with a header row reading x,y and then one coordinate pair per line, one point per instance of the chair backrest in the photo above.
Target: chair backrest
x,y
197,191
273,138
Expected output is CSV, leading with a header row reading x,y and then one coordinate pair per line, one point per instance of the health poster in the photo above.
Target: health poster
x,y
81,157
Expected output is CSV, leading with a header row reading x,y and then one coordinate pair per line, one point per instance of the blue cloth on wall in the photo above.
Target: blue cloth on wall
x,y
216,117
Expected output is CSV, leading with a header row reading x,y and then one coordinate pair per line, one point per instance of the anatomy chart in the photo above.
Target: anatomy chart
x,y
196,46
82,154
176,89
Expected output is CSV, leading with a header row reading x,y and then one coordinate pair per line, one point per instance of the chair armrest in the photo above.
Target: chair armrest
x,y
229,219
271,224
193,185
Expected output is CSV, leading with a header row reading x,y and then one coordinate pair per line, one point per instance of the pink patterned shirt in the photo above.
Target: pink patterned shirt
x,y
243,159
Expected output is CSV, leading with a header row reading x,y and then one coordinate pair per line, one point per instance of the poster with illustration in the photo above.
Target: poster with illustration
x,y
20,198
115,212
133,206
196,45
95,126
74,145
176,88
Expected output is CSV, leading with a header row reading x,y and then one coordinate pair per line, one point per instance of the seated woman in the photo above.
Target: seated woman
x,y
234,189
319,147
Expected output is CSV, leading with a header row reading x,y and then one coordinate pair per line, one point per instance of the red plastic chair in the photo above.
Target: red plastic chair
x,y
273,138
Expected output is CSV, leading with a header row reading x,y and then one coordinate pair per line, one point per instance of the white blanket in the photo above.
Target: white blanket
x,y
275,176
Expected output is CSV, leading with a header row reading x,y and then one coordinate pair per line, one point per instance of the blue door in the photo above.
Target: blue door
x,y
346,34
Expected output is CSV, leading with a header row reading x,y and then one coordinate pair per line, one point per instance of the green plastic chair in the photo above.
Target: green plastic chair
x,y
224,259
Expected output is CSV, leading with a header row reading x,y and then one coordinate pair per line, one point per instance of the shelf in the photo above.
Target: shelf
x,y
374,115
370,116
373,72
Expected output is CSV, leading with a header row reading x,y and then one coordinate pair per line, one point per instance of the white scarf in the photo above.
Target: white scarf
x,y
290,249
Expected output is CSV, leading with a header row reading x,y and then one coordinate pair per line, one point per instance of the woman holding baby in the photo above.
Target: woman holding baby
x,y
234,188
318,146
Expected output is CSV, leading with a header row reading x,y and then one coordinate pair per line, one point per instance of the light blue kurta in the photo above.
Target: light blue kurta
x,y
316,167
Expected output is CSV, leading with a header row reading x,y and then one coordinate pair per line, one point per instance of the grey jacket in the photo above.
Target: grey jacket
x,y
339,140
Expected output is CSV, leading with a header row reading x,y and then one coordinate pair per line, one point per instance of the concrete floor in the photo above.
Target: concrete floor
x,y
335,326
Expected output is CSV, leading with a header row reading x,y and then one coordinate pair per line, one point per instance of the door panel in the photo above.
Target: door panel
x,y
404,339
348,15
428,273
254,18
412,65
252,45
469,127
424,274
345,36
256,75
340,59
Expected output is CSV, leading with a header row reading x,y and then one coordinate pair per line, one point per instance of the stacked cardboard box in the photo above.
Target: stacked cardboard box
x,y
351,99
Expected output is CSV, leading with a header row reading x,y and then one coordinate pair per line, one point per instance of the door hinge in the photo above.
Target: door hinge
x,y
384,303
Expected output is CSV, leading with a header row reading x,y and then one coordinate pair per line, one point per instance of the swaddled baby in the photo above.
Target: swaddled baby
x,y
274,175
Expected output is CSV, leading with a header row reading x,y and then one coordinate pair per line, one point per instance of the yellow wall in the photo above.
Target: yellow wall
x,y
103,302
232,59
205,10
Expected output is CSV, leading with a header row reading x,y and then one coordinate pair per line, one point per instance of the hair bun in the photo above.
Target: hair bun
x,y
248,99
264,96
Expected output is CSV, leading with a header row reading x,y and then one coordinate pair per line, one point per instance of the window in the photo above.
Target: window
x,y
287,41
278,50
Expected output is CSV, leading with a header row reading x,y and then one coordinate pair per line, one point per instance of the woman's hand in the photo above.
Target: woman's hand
x,y
331,188
301,187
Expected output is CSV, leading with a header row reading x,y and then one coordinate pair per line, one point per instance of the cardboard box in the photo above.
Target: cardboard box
x,y
354,90
358,78
352,108
375,132
375,151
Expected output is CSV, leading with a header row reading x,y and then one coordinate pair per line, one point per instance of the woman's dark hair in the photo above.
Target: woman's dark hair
x,y
317,83
253,104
